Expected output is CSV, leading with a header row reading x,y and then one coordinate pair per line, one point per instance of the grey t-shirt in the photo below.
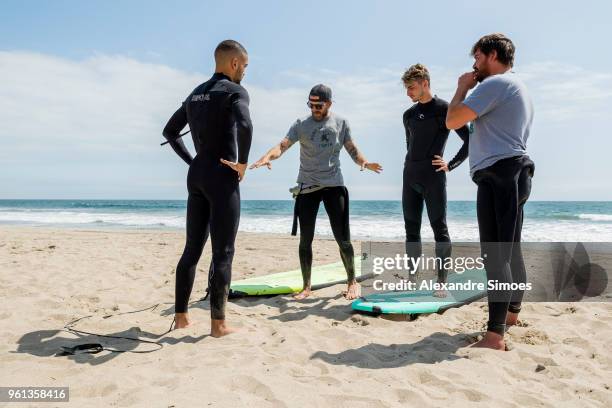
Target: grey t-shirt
x,y
505,114
320,145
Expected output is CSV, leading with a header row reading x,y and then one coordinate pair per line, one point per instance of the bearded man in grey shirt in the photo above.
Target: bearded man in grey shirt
x,y
502,113
321,136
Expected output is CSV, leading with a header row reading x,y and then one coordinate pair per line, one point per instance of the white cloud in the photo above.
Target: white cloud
x,y
564,92
108,109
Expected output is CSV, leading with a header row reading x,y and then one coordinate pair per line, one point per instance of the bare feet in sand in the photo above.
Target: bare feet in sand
x,y
512,319
218,328
181,321
353,291
303,294
492,341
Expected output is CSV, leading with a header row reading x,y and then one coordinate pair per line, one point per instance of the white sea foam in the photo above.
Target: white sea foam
x,y
587,228
596,217
460,230
100,218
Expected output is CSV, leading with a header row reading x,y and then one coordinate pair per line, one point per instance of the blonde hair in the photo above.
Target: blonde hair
x,y
416,72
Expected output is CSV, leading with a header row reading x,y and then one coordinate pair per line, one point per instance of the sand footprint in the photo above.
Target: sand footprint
x,y
96,391
472,395
249,387
352,401
533,337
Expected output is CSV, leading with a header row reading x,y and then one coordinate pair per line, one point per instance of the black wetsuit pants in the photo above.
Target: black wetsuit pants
x,y
503,189
423,185
336,202
213,207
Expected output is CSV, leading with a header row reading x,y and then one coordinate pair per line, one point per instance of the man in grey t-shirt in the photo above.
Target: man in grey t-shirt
x,y
502,113
504,116
321,136
320,144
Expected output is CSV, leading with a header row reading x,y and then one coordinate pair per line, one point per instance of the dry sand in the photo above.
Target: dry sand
x,y
287,353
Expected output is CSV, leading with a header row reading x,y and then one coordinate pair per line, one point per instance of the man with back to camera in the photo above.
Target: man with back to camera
x,y
425,170
321,136
502,113
218,115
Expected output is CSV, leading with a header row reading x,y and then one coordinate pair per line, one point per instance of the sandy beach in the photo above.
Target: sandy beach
x,y
287,353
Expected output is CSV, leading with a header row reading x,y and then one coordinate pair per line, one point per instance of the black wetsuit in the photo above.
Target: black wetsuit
x,y
426,136
503,190
218,115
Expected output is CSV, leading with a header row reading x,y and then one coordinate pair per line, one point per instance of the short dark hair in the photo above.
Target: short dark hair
x,y
229,46
499,43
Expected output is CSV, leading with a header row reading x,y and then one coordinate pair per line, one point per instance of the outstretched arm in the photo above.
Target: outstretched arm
x,y
172,133
359,158
273,154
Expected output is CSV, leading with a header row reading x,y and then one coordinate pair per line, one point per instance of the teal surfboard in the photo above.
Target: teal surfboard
x,y
422,301
283,283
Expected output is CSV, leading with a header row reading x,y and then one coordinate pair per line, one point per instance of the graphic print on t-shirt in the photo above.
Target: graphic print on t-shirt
x,y
323,136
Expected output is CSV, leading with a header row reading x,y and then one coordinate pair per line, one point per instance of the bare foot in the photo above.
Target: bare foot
x,y
353,291
303,294
440,293
218,328
491,340
181,321
512,319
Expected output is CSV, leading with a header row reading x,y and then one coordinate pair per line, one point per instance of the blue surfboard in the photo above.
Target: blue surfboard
x,y
423,301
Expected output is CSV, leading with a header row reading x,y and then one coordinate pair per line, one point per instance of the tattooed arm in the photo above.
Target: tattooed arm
x,y
273,154
359,158
354,152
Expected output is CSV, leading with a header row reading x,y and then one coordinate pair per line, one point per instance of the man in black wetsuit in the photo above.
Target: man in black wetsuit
x,y
217,112
424,168
502,113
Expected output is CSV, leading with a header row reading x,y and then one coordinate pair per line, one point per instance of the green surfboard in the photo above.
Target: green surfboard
x,y
422,301
283,283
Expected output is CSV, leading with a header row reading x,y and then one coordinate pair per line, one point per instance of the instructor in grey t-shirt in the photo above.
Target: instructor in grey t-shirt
x,y
502,113
321,136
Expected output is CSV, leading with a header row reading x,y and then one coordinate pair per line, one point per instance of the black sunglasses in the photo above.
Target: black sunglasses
x,y
317,106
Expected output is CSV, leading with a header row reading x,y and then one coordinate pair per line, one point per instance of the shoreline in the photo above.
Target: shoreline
x,y
378,221
173,230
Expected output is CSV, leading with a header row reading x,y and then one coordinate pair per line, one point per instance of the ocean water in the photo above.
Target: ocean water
x,y
544,220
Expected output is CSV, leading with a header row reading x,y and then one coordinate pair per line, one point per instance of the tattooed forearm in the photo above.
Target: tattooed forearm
x,y
354,152
277,151
284,145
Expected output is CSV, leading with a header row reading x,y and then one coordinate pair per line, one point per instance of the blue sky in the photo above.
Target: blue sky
x,y
88,86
